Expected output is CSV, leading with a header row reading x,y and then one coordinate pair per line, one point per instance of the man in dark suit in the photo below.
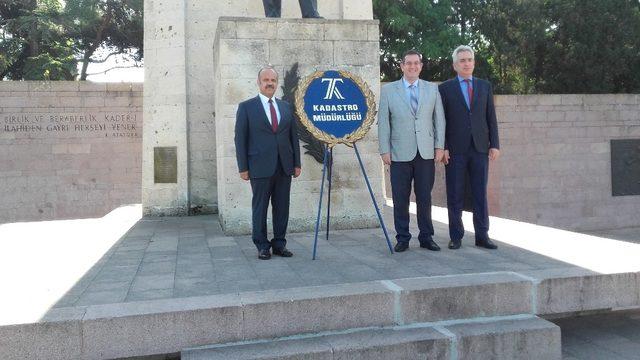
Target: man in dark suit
x,y
309,8
268,154
471,140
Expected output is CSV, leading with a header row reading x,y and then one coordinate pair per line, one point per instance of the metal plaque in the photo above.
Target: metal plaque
x,y
165,165
625,167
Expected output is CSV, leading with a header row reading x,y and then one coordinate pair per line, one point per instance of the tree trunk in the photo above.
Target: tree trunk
x,y
98,41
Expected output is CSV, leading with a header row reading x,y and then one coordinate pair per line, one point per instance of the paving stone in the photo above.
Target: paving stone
x,y
152,282
150,295
102,297
157,268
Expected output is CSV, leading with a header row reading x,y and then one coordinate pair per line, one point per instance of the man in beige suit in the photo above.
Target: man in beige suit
x,y
411,129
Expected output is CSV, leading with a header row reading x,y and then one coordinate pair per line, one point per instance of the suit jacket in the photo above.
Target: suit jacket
x,y
402,133
258,147
463,124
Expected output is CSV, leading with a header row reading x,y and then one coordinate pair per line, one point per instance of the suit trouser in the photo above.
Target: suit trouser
x,y
476,164
273,8
422,172
277,189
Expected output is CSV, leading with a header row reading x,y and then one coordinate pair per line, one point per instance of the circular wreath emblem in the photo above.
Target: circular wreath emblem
x,y
336,107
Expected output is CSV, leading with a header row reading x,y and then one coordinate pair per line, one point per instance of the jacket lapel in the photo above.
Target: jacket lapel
x,y
423,94
403,94
284,115
262,116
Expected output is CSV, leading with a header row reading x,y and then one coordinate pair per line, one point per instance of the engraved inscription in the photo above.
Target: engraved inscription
x,y
110,125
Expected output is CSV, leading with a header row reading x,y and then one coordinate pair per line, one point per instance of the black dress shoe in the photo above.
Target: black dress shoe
x,y
431,245
453,245
401,246
264,254
282,252
487,244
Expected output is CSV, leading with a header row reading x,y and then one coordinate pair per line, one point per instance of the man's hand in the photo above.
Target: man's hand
x,y
297,172
244,175
445,157
439,155
386,158
494,154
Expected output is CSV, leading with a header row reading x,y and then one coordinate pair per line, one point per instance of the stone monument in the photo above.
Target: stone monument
x,y
201,60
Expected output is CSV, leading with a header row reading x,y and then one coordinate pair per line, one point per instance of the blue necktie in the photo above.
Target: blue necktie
x,y
413,98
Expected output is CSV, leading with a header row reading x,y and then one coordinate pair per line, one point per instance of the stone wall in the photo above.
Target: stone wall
x,y
555,167
68,149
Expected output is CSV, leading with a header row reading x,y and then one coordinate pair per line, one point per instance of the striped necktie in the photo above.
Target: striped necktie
x,y
274,116
414,98
469,92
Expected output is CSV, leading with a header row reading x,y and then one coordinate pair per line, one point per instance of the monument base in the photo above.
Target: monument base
x,y
295,48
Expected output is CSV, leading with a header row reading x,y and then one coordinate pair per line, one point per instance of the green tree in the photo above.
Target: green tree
x,y
116,24
522,46
425,25
33,45
593,47
516,34
45,39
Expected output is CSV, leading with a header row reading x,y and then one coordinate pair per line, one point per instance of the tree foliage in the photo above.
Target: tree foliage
x,y
46,39
32,41
523,46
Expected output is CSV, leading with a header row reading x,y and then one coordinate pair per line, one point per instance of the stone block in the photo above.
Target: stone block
x,y
288,52
373,32
294,30
582,290
527,338
599,99
355,52
316,309
57,336
463,296
160,326
505,100
347,30
226,29
307,349
244,51
420,343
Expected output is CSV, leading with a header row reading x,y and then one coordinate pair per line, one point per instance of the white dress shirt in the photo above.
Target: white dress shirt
x,y
267,109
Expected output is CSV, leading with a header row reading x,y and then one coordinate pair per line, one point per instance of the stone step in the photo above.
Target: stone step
x,y
516,337
167,326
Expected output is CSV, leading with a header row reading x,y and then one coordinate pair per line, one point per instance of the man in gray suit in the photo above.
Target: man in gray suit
x,y
411,131
309,8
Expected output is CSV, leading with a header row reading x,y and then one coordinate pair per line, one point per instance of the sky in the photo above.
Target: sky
x,y
130,72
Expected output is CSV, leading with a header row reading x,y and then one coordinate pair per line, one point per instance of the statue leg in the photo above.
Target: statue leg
x,y
309,8
272,8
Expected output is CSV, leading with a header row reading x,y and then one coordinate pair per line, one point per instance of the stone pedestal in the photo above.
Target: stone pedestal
x,y
178,98
241,48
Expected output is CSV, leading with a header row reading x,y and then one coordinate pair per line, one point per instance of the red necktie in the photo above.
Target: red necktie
x,y
274,116
469,92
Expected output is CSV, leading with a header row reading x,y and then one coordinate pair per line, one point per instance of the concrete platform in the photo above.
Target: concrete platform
x,y
122,286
